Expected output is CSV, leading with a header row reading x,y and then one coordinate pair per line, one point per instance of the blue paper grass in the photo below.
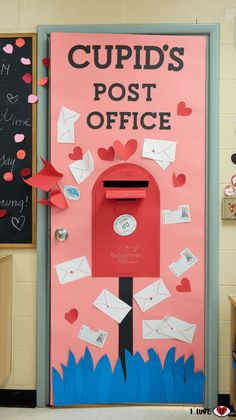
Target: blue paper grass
x,y
146,382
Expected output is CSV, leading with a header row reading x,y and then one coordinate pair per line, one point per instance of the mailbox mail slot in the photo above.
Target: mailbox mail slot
x,y
125,223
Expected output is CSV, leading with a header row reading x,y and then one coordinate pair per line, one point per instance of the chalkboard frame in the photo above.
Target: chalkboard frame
x,y
33,36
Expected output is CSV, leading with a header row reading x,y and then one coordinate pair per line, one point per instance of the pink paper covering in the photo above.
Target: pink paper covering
x,y
74,88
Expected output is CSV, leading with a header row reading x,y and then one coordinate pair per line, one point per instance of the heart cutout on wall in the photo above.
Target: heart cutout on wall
x,y
183,110
184,286
178,180
77,154
71,316
125,151
106,154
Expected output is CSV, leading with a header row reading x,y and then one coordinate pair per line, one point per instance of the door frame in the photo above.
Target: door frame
x,y
211,31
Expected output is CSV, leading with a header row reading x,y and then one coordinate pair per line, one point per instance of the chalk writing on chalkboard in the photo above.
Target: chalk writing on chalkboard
x,y
17,142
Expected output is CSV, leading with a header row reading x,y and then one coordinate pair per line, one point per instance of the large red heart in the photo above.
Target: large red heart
x,y
221,409
124,151
183,110
178,180
184,286
106,154
71,315
77,154
3,213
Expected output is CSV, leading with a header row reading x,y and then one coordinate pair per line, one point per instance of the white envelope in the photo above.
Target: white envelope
x,y
169,327
162,151
73,270
151,295
112,306
82,168
66,125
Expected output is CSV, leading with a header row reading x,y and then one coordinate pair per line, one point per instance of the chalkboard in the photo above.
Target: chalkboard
x,y
17,140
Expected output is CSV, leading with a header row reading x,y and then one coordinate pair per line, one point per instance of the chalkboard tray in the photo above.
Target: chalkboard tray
x,y
17,140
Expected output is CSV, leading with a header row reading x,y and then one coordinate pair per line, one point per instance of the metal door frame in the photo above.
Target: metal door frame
x,y
211,31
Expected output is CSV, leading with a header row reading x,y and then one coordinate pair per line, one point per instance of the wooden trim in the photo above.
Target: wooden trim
x,y
34,138
4,257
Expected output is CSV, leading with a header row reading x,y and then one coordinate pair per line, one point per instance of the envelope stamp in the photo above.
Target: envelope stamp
x,y
97,338
182,215
186,261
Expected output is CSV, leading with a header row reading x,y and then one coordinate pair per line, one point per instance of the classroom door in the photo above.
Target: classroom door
x,y
128,239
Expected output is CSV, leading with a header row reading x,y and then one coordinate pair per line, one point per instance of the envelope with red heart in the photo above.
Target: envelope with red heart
x,y
161,151
72,270
169,327
112,306
152,295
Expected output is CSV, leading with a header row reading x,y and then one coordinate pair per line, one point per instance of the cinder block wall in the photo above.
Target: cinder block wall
x,y
24,16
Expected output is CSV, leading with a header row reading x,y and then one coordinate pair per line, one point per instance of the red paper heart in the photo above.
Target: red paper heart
x,y
46,62
20,42
57,199
221,409
43,81
106,154
184,286
25,172
124,151
183,110
71,315
178,180
8,176
27,77
3,213
77,154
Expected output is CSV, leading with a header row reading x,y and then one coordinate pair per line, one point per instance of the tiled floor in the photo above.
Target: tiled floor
x,y
115,413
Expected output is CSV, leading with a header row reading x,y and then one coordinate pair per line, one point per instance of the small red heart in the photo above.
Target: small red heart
x,y
27,77
221,409
184,286
178,180
124,151
183,110
77,154
46,62
8,176
25,172
43,81
20,42
106,154
71,315
3,213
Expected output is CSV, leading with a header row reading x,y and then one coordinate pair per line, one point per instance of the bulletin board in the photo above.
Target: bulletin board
x,y
18,139
129,284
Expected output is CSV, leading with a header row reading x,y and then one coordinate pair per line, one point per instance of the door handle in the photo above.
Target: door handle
x,y
61,234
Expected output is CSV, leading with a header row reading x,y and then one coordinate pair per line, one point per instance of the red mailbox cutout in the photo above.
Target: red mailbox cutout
x,y
125,223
